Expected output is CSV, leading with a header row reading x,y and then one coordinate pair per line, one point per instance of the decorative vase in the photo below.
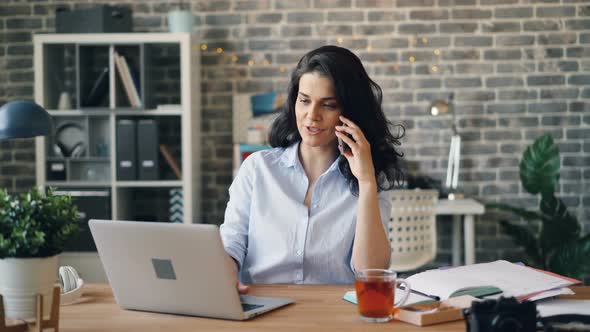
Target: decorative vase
x,y
21,279
180,21
65,101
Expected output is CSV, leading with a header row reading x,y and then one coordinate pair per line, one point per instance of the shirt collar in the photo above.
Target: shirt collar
x,y
290,158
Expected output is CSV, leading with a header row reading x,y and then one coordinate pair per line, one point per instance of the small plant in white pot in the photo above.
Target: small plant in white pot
x,y
34,228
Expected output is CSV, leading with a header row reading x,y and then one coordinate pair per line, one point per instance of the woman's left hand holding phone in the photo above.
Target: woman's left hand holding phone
x,y
359,152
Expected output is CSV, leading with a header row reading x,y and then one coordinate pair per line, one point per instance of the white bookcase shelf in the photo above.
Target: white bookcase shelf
x,y
148,184
118,112
166,75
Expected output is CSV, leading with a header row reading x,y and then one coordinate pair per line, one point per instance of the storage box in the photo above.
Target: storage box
x,y
92,204
99,19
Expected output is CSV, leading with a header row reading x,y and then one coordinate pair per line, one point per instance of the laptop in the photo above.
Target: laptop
x,y
173,268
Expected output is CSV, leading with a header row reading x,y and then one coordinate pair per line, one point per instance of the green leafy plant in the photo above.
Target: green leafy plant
x,y
558,246
35,225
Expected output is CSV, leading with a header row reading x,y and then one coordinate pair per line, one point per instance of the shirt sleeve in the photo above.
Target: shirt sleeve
x,y
385,211
234,230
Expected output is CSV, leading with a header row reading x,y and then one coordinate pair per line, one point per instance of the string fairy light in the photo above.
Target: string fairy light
x,y
261,59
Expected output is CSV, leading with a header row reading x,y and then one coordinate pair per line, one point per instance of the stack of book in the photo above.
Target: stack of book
x,y
130,82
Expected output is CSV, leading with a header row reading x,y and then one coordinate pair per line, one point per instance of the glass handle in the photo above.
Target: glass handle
x,y
406,289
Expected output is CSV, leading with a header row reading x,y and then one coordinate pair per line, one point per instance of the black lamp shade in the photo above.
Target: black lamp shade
x,y
23,119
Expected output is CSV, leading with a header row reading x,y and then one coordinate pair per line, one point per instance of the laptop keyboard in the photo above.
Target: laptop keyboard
x,y
248,306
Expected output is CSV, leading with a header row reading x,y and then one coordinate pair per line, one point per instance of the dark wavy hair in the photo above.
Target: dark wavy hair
x,y
360,100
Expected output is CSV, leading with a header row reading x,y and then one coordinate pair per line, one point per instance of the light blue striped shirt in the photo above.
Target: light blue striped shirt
x,y
270,233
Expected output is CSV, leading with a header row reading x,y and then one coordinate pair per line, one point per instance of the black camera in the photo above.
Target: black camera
x,y
504,314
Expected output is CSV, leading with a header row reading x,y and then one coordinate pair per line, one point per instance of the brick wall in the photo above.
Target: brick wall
x,y
518,69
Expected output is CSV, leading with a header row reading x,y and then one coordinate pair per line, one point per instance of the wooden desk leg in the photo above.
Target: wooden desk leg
x,y
469,239
456,240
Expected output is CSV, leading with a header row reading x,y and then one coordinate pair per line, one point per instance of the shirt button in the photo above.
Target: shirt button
x,y
298,252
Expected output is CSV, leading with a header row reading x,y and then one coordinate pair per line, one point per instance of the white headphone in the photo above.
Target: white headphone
x,y
71,284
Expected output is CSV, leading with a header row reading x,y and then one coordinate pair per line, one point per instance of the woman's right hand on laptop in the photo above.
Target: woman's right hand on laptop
x,y
242,289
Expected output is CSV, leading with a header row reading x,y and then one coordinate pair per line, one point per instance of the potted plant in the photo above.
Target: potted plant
x,y
558,245
34,229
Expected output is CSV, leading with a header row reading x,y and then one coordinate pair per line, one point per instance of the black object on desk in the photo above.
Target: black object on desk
x,y
503,314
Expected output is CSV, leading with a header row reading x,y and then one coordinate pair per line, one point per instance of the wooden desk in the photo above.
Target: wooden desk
x,y
317,308
462,210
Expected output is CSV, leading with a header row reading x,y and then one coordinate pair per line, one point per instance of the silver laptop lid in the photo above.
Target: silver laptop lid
x,y
167,267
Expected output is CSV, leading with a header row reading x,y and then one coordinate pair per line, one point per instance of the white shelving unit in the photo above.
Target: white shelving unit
x,y
65,58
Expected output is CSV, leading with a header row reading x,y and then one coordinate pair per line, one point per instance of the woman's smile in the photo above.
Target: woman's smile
x,y
313,131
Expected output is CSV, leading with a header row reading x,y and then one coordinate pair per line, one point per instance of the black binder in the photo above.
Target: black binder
x,y
126,150
147,151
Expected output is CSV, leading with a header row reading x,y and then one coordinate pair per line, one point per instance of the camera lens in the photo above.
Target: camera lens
x,y
503,323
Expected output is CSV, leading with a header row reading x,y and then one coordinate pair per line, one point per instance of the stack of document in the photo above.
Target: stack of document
x,y
501,277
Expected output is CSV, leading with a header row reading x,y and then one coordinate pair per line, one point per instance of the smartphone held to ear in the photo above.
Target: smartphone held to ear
x,y
341,145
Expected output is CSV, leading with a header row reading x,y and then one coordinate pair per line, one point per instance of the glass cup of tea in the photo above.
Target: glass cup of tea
x,y
375,294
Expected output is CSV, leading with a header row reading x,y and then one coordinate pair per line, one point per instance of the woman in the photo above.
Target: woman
x,y
303,212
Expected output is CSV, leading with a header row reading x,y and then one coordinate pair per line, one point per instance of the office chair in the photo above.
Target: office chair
x,y
412,228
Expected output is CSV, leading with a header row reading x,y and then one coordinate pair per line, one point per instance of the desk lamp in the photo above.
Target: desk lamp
x,y
442,107
23,119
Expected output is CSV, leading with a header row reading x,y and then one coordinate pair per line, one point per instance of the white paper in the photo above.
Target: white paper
x,y
563,307
551,293
512,279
